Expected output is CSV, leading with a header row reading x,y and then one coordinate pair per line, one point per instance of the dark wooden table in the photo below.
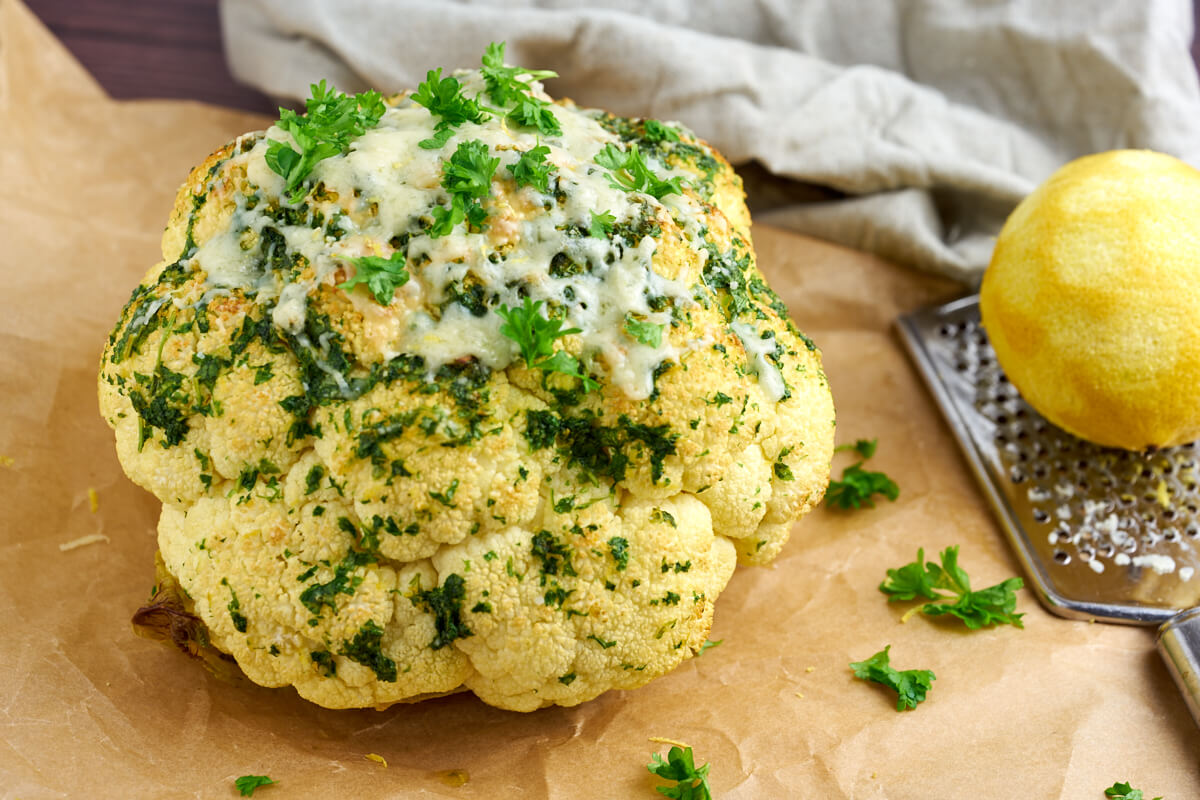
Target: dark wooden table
x,y
168,48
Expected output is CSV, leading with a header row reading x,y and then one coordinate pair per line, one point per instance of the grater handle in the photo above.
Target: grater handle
x,y
1179,645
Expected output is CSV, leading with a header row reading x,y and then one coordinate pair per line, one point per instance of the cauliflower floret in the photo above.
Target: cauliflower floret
x,y
608,596
377,491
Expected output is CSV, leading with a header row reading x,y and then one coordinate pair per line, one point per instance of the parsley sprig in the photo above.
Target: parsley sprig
x,y
504,83
857,485
691,782
655,131
248,783
648,333
995,605
444,98
383,276
631,173
1123,791
532,169
910,685
535,335
601,225
331,121
506,86
467,176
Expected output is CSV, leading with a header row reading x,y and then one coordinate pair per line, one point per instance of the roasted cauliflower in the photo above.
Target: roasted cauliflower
x,y
463,388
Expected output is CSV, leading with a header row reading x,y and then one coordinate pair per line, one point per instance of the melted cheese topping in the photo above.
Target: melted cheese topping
x,y
386,186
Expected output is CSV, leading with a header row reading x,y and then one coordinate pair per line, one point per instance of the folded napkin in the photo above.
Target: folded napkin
x,y
909,128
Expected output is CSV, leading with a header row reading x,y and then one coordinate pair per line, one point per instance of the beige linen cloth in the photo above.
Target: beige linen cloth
x,y
909,128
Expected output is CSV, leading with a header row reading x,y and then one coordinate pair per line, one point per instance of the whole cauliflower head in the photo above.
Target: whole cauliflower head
x,y
490,398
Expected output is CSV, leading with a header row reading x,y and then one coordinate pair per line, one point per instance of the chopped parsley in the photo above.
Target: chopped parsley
x,y
619,547
504,83
648,333
445,603
533,112
691,782
864,447
444,98
910,686
535,335
333,119
248,783
467,176
994,605
383,276
366,649
601,225
532,169
1123,791
857,487
631,173
655,131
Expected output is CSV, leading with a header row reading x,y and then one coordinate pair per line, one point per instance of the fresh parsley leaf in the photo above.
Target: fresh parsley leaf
x,y
656,131
504,83
857,486
708,645
910,581
601,225
532,112
567,364
532,332
535,335
864,447
331,122
467,176
991,606
995,605
1123,791
532,169
631,173
911,685
248,783
444,98
680,766
648,333
383,276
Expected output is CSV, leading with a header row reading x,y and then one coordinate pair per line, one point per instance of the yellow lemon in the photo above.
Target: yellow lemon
x,y
1092,299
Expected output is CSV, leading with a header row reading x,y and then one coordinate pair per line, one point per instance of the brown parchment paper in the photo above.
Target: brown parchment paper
x,y
1059,710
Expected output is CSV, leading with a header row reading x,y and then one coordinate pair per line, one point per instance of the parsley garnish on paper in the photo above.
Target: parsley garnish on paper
x,y
910,685
994,605
333,119
535,335
248,783
857,485
691,782
1123,791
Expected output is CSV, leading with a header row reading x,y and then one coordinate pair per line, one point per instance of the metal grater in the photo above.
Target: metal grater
x,y
1102,533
